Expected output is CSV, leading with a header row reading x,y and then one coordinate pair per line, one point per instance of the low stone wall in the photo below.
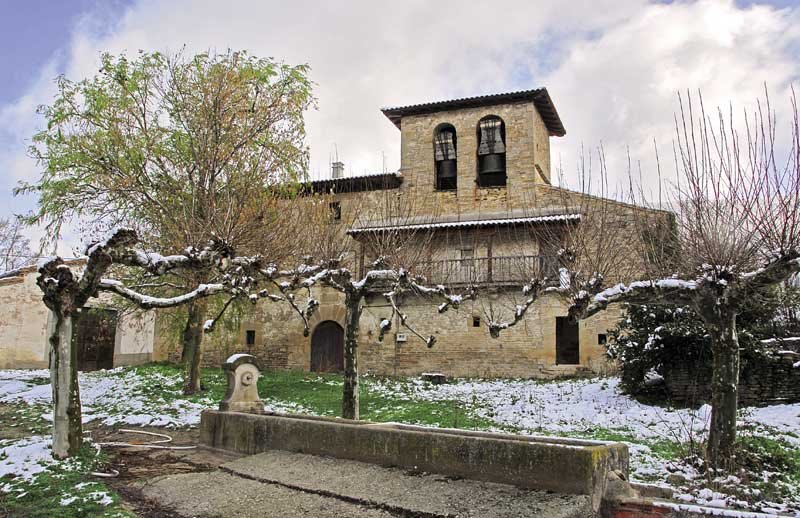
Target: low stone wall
x,y
773,380
556,464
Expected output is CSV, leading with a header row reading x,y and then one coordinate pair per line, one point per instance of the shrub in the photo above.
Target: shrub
x,y
650,338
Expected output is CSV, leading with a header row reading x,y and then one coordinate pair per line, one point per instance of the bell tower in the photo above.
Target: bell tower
x,y
477,146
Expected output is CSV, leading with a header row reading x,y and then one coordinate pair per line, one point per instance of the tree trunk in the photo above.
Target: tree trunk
x,y
192,345
724,392
67,429
350,393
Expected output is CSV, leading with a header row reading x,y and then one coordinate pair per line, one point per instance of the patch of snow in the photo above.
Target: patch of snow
x,y
788,339
121,397
25,458
101,497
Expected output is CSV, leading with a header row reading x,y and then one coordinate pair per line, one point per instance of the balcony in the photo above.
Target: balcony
x,y
490,270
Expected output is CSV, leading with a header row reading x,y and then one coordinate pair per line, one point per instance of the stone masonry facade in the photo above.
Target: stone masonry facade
x,y
463,347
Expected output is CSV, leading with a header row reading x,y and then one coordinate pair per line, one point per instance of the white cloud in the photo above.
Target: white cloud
x,y
621,88
612,67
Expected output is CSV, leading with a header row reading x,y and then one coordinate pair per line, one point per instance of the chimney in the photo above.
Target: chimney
x,y
337,169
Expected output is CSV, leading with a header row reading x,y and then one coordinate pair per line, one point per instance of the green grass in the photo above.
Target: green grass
x,y
322,394
21,420
43,496
318,393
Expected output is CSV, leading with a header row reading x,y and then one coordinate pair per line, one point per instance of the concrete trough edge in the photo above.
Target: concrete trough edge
x,y
561,465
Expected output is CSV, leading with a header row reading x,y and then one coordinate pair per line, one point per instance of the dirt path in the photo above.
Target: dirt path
x,y
138,465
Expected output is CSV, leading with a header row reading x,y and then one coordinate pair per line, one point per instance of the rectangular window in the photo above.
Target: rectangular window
x,y
602,339
250,337
476,321
336,210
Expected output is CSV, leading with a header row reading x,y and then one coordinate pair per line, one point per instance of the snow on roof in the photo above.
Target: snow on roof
x,y
469,223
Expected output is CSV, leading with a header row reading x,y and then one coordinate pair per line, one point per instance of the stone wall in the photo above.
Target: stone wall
x,y
527,350
23,324
24,319
527,145
763,382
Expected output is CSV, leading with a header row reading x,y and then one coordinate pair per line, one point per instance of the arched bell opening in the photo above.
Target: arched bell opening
x,y
491,152
444,156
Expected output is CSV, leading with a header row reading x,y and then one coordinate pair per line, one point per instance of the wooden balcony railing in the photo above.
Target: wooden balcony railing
x,y
490,270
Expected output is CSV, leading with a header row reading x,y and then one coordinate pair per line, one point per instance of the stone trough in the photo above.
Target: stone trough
x,y
561,465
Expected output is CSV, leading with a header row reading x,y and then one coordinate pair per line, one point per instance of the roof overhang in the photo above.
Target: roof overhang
x,y
469,223
367,182
539,96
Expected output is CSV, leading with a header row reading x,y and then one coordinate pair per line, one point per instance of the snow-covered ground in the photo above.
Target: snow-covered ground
x,y
597,408
593,408
580,405
119,397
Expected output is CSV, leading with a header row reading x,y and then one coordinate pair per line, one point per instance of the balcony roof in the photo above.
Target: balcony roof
x,y
466,221
539,96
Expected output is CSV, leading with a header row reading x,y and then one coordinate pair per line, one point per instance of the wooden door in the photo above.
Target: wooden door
x,y
327,347
94,333
567,342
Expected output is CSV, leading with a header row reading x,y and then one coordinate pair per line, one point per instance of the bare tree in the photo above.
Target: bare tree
x,y
737,232
65,293
15,250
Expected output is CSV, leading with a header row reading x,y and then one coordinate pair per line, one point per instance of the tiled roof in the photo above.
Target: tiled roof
x,y
539,96
364,182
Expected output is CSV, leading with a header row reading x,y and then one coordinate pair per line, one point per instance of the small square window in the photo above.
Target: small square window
x,y
602,338
250,337
476,321
336,210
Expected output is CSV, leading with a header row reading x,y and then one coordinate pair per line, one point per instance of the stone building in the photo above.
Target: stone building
x,y
480,171
105,337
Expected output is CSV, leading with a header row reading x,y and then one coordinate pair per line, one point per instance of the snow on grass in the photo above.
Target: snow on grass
x,y
119,396
657,437
561,406
593,408
25,458
134,397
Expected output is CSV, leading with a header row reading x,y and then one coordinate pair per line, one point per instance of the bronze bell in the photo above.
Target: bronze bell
x,y
493,163
446,168
446,176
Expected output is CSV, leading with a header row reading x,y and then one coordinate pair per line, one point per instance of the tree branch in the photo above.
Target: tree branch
x,y
148,302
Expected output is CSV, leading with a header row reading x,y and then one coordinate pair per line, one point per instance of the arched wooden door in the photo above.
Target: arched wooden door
x,y
327,347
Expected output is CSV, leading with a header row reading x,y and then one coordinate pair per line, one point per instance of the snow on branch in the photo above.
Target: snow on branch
x,y
149,302
532,292
780,268
662,291
403,283
386,324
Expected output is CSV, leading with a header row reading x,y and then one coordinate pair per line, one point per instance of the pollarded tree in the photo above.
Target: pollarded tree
x,y
179,148
387,258
65,291
738,233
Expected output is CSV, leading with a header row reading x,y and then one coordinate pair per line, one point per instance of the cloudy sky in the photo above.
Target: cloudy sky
x,y
612,67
